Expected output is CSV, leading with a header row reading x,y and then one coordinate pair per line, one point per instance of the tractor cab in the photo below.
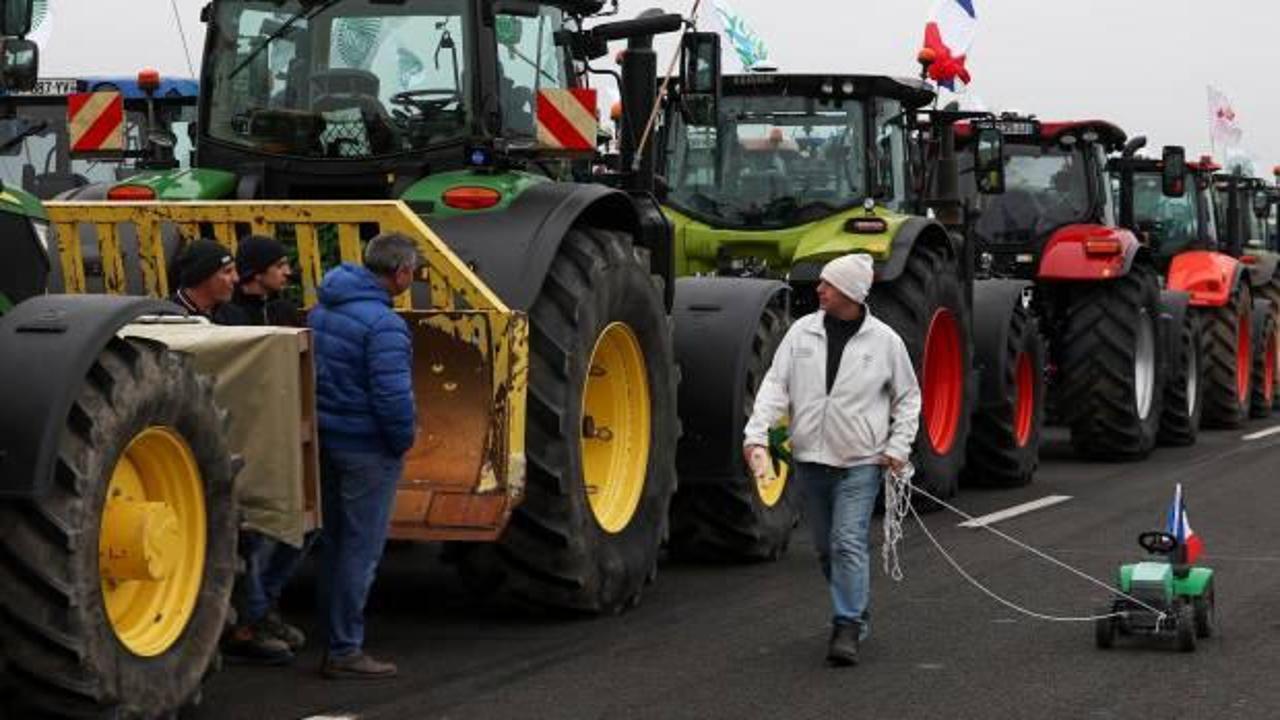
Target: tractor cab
x,y
1244,207
1055,185
1172,207
789,150
356,98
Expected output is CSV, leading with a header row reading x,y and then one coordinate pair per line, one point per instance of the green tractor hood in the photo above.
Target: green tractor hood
x,y
703,248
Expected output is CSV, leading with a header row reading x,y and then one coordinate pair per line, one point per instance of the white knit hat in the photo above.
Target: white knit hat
x,y
851,275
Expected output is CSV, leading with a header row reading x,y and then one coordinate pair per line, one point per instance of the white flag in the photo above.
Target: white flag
x,y
1224,126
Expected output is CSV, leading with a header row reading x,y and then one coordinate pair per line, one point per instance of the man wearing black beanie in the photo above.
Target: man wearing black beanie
x,y
263,266
206,277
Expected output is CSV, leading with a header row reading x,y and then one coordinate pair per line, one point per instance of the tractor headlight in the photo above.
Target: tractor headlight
x,y
41,229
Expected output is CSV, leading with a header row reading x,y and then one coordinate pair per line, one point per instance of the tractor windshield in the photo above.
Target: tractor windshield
x,y
340,78
772,161
1045,189
1170,222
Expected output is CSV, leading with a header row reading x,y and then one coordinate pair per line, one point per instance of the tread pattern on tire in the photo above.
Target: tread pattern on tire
x,y
994,457
553,553
58,646
1222,405
1180,416
930,280
728,520
1261,398
1097,393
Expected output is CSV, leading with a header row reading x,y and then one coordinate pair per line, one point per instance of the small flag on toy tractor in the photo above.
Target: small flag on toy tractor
x,y
947,38
1177,526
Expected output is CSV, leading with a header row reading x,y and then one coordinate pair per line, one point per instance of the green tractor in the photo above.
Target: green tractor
x,y
784,172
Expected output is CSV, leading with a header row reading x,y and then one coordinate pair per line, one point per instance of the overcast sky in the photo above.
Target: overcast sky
x,y
1131,61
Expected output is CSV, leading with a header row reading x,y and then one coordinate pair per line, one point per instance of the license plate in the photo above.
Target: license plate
x,y
53,87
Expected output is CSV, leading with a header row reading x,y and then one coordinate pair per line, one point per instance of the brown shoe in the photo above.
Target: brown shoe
x,y
251,645
357,667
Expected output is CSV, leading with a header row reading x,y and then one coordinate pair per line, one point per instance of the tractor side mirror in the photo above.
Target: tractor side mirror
x,y
1261,203
15,17
700,88
19,63
1173,173
988,161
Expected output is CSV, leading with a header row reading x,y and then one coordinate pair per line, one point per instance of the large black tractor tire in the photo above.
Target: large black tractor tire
x,y
1262,393
926,302
556,553
1271,293
1184,389
737,518
1228,370
1004,445
63,652
1109,373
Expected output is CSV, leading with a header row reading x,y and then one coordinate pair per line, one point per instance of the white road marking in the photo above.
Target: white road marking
x,y
333,717
1263,433
1016,510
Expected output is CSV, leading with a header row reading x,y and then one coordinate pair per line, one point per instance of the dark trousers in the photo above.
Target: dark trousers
x,y
358,494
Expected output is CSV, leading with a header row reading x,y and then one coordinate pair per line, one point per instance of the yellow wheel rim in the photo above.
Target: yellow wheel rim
x,y
151,541
771,491
615,427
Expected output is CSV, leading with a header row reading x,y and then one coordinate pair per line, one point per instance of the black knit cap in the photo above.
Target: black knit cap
x,y
256,254
200,261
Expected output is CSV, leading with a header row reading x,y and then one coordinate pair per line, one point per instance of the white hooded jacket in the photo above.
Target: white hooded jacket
x,y
873,408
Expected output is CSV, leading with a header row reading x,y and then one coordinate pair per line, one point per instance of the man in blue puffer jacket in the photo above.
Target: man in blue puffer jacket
x,y
364,393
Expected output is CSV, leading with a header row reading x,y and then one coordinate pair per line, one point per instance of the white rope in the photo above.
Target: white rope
x,y
897,492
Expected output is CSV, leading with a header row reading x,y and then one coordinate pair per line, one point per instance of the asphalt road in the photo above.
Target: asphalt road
x,y
748,641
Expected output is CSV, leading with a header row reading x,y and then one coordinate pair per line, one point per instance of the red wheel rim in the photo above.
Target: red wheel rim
x,y
1244,356
1025,408
943,381
1269,372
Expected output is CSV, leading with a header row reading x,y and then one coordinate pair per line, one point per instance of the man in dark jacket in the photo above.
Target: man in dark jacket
x,y
364,395
263,267
205,275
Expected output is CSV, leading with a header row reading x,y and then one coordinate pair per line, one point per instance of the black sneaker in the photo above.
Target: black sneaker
x,y
357,667
252,645
275,626
843,648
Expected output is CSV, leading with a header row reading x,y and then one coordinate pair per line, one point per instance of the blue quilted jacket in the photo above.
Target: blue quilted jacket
x,y
364,360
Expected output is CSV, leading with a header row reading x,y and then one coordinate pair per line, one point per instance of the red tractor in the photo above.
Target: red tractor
x,y
1095,289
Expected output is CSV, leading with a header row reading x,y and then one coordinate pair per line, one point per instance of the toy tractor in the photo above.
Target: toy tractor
x,y
1182,594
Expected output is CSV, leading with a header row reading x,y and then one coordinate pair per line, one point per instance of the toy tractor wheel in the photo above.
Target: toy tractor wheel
x,y
117,579
1104,629
1228,359
1263,387
925,306
601,432
741,518
1204,606
1186,627
1184,391
1111,384
1004,446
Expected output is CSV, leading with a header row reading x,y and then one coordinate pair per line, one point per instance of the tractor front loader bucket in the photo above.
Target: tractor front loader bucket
x,y
466,470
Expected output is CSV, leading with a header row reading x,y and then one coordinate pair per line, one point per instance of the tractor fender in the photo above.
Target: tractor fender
x,y
1262,268
512,250
1173,314
912,231
715,324
994,302
1208,277
1083,252
47,347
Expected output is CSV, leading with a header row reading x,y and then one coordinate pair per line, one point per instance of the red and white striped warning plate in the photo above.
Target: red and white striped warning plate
x,y
567,119
96,121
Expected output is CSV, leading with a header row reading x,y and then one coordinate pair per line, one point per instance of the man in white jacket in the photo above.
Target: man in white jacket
x,y
844,379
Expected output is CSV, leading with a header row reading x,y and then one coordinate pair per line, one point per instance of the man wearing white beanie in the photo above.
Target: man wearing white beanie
x,y
844,379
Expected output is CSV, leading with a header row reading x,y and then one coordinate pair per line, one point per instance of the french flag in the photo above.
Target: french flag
x,y
1178,527
949,34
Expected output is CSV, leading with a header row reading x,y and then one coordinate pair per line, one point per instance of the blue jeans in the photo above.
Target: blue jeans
x,y
838,505
358,493
268,566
